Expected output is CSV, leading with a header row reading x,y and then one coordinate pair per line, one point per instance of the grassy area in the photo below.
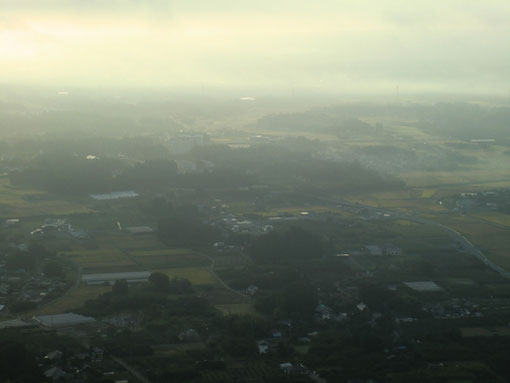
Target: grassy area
x,y
405,222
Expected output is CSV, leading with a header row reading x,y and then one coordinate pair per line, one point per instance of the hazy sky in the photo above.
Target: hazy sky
x,y
332,45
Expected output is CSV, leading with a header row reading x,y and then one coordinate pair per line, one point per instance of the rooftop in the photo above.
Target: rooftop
x,y
423,286
62,320
111,277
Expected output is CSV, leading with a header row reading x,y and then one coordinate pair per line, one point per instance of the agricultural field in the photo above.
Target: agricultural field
x,y
98,259
403,200
298,210
130,242
72,299
492,240
17,202
494,217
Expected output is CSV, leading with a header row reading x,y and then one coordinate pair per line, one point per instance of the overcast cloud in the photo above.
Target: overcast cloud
x,y
340,46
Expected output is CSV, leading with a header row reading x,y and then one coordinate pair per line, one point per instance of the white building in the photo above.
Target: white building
x,y
111,278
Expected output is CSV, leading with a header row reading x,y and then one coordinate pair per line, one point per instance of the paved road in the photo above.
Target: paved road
x,y
221,281
466,245
132,370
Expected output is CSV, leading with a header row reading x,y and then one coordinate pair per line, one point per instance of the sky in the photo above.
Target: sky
x,y
325,45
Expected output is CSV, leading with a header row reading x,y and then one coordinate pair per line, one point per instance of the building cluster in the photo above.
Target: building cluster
x,y
59,228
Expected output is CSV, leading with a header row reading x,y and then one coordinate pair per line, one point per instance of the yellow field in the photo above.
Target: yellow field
x,y
160,252
196,275
73,299
428,193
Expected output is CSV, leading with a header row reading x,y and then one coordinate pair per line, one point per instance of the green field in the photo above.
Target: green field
x,y
73,299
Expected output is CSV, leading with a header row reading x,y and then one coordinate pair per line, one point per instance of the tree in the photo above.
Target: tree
x,y
292,244
120,287
182,226
180,286
53,269
160,281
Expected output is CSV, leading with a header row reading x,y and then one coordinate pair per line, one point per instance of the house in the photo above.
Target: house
x,y
323,312
54,356
276,334
139,229
423,286
392,250
54,374
292,369
15,323
361,306
263,346
374,250
115,195
251,289
189,335
111,278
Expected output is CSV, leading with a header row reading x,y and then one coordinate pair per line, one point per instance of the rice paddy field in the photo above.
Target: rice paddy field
x,y
16,202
